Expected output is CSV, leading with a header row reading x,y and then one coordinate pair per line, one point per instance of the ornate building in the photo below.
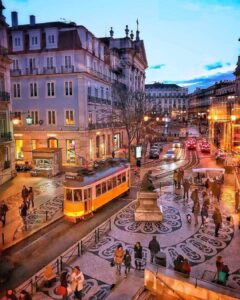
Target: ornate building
x,y
62,77
7,164
167,99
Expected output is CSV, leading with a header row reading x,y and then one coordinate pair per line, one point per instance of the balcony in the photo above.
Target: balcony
x,y
92,99
4,96
5,137
47,70
16,72
67,69
31,71
92,126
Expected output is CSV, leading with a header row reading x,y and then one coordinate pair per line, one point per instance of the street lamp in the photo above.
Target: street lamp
x,y
16,119
145,118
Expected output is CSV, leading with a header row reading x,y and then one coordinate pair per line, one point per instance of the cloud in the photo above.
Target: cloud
x,y
204,81
213,66
216,65
156,67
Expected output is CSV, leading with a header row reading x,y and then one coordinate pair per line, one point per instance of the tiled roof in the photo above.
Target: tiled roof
x,y
43,25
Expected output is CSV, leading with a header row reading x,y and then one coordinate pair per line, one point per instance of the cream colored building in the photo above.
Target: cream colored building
x,y
62,76
7,155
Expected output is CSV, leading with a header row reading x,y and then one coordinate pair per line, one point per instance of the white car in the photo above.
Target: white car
x,y
170,155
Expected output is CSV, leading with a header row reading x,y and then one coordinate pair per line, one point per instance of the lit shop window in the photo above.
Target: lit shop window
x,y
19,149
71,155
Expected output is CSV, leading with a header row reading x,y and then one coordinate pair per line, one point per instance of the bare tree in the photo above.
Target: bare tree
x,y
128,109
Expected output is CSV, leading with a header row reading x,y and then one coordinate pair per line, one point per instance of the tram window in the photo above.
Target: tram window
x,y
69,194
77,195
104,187
98,190
114,181
119,179
85,195
124,177
89,193
109,184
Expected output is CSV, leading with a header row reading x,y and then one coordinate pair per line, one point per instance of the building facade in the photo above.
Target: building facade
x,y
167,99
62,77
7,156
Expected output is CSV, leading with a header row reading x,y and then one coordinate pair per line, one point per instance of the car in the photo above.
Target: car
x,y
220,155
153,154
176,144
205,148
170,155
157,146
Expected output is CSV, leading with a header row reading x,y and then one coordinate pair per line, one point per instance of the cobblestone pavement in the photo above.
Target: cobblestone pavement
x,y
48,197
176,236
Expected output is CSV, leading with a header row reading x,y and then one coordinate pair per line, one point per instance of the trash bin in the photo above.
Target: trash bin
x,y
160,259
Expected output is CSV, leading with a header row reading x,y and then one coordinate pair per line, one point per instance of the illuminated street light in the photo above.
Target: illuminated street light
x,y
215,118
157,119
233,118
145,118
29,120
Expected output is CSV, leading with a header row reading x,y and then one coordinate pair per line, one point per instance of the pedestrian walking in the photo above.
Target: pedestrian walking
x,y
217,219
113,154
186,268
179,178
62,289
23,213
204,214
25,193
138,255
30,197
3,212
205,197
196,211
194,196
218,191
77,282
154,247
175,178
181,172
186,187
118,258
127,262
237,195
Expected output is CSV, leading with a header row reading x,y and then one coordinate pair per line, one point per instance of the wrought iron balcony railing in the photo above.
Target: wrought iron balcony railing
x,y
4,96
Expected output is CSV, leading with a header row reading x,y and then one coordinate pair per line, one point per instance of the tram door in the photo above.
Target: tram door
x,y
87,194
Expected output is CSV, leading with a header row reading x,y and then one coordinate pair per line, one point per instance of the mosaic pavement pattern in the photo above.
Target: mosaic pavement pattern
x,y
93,289
172,221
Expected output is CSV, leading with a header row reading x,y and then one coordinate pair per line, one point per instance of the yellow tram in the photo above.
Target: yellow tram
x,y
85,195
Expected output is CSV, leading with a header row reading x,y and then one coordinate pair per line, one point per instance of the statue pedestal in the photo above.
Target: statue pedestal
x,y
147,208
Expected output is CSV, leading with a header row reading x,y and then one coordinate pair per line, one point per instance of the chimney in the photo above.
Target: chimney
x,y
14,19
32,20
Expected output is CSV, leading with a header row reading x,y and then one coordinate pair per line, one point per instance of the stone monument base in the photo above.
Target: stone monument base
x,y
147,208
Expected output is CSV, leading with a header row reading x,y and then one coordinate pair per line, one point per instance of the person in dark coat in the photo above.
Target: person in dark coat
x,y
154,247
217,219
23,212
30,197
127,262
25,193
138,254
3,212
178,262
204,213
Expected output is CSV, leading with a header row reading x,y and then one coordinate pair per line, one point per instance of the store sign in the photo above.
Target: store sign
x,y
138,151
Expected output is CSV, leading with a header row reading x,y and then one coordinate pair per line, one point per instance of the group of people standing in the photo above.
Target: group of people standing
x,y
27,203
211,191
122,257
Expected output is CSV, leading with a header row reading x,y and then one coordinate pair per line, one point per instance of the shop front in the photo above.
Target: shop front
x,y
71,152
46,162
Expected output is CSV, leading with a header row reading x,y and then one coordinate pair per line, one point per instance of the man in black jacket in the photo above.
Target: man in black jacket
x,y
154,247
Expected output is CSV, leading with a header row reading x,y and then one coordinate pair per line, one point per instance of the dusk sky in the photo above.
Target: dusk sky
x,y
192,43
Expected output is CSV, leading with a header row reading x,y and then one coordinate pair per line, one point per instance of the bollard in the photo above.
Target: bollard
x,y
62,206
46,215
95,236
3,238
78,248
